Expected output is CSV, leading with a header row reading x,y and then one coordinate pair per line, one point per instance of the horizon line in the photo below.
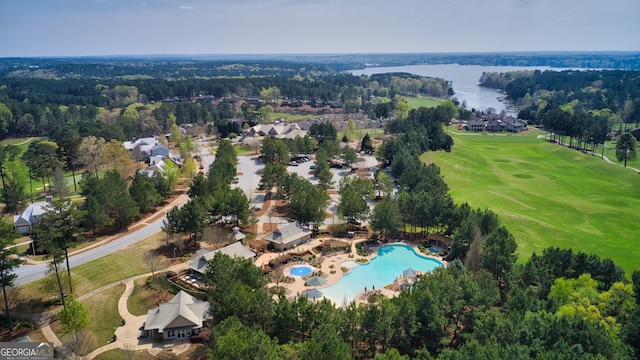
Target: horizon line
x,y
515,52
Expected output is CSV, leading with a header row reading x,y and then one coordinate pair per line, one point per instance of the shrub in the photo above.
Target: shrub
x,y
204,337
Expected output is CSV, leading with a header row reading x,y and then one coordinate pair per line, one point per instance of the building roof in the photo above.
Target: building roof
x,y
183,311
199,261
293,133
145,143
33,210
288,233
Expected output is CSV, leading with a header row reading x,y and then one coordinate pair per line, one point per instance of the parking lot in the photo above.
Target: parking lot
x,y
250,170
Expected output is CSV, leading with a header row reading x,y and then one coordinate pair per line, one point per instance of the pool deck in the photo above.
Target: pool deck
x,y
296,287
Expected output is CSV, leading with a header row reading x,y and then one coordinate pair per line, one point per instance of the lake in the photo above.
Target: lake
x,y
464,79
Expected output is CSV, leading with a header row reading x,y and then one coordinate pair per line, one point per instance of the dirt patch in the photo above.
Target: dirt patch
x,y
279,208
263,210
269,227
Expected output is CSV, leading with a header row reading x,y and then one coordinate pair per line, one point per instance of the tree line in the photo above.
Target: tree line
x,y
612,94
122,108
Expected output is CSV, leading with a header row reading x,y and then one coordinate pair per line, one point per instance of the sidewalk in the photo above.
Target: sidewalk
x,y
127,335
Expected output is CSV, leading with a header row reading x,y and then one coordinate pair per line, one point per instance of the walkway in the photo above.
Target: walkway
x,y
127,335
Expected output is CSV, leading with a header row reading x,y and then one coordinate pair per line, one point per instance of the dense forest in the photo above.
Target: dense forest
x,y
126,107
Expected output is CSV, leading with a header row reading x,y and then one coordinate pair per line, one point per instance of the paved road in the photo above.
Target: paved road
x,y
29,273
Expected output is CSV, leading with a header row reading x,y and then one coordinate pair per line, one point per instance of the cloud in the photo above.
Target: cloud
x,y
186,7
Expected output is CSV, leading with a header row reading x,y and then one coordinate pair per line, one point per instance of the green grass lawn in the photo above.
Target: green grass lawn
x,y
426,101
103,319
291,117
117,266
22,143
106,270
547,195
140,300
359,134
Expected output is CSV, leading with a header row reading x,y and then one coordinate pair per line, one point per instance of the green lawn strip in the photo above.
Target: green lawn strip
x,y
357,135
426,101
140,300
22,143
120,265
243,150
292,117
103,319
547,195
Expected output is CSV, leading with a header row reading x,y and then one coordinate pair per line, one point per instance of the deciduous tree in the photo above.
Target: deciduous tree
x,y
626,148
90,153
74,316
118,158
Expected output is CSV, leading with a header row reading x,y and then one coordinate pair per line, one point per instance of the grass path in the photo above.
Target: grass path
x,y
547,195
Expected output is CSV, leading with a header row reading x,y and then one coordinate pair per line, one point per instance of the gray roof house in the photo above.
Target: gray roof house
x,y
475,125
515,125
198,263
141,148
289,236
159,150
179,318
23,222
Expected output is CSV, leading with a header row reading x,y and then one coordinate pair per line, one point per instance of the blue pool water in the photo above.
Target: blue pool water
x,y
391,261
434,251
300,271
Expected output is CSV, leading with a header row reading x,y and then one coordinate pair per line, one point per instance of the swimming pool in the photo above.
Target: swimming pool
x,y
300,270
391,261
434,250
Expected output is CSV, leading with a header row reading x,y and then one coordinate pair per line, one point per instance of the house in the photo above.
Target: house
x,y
495,125
475,125
281,131
158,150
515,125
179,318
24,222
289,236
198,263
141,148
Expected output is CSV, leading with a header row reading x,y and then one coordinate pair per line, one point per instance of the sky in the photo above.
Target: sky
x,y
141,27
